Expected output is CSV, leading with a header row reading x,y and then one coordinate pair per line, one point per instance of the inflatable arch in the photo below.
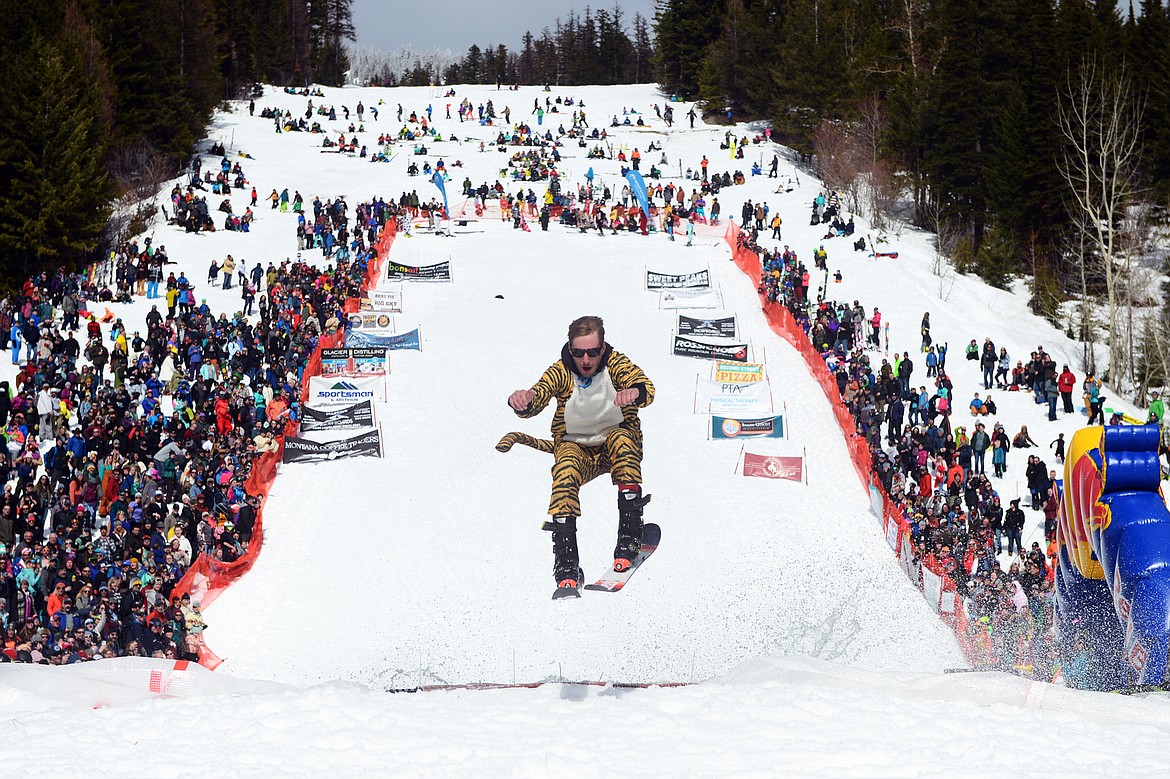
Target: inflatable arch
x,y
1113,574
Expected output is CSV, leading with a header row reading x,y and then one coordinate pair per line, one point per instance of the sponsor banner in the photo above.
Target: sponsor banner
x,y
931,588
716,328
360,361
730,427
297,450
437,272
341,418
695,280
409,340
689,298
689,347
734,399
373,322
739,372
383,299
773,467
345,390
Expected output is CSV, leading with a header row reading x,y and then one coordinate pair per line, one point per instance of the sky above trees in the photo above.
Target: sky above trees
x,y
456,24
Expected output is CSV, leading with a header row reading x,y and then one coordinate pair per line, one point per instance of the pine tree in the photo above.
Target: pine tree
x,y
57,194
683,30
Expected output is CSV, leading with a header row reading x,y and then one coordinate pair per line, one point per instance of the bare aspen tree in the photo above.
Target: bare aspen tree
x,y
1100,118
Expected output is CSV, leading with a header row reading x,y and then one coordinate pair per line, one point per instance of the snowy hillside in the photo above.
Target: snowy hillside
x,y
429,566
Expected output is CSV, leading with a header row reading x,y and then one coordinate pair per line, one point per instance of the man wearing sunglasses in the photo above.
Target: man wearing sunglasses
x,y
595,430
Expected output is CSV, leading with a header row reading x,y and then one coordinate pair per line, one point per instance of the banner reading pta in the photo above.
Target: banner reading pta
x,y
344,391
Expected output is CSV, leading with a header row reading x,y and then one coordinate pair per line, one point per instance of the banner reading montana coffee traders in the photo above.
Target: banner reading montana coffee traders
x,y
341,418
694,280
716,328
689,347
437,272
297,450
730,427
357,361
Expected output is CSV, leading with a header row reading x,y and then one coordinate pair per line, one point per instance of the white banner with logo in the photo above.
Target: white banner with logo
x,y
733,398
689,298
388,298
345,390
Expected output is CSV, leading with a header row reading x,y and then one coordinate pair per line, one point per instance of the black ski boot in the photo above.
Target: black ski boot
x,y
566,563
629,537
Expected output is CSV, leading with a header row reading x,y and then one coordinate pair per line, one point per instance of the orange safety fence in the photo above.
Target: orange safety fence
x,y
949,607
208,577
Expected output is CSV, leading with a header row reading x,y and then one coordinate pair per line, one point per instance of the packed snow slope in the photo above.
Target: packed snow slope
x,y
430,565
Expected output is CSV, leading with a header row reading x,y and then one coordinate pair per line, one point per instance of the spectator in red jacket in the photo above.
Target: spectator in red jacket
x,y
1065,383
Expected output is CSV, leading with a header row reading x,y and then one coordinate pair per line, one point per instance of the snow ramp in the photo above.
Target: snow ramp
x,y
1113,577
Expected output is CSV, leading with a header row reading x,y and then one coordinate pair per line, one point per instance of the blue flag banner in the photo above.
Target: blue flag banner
x,y
638,187
589,174
357,338
438,180
728,427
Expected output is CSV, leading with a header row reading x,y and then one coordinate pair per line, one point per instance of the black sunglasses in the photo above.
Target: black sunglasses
x,y
594,352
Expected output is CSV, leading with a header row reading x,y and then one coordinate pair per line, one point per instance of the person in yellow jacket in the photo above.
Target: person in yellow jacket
x,y
595,430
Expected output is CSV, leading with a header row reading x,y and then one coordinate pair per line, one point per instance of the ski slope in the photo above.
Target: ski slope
x,y
816,656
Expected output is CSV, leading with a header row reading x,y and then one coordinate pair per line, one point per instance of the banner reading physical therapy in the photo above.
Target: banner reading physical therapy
x,y
739,372
304,450
437,272
715,328
689,347
358,361
345,390
697,280
730,427
341,418
773,467
733,399
385,299
704,297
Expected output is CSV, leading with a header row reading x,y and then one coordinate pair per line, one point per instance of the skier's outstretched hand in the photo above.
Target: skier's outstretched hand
x,y
521,399
625,397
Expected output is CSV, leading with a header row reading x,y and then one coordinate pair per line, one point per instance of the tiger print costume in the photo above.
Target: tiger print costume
x,y
574,464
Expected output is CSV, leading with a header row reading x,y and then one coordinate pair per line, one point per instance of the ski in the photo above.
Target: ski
x,y
567,592
613,581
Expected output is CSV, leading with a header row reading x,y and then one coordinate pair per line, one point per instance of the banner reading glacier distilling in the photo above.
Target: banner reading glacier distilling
x,y
716,328
730,427
358,361
345,390
773,466
690,347
298,450
339,418
698,279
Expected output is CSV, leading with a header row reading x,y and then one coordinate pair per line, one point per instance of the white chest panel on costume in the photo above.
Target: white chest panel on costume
x,y
590,412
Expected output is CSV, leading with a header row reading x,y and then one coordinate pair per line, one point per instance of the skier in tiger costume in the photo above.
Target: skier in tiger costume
x,y
595,430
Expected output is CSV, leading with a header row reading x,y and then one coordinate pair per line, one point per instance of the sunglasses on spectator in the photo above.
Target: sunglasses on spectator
x,y
594,352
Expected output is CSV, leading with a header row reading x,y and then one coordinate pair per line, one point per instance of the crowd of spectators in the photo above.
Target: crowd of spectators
x,y
126,459
933,466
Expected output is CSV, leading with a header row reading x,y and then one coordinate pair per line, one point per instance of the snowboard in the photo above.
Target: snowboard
x,y
613,581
